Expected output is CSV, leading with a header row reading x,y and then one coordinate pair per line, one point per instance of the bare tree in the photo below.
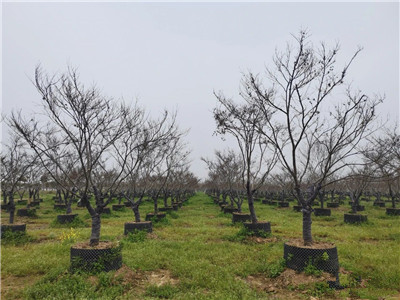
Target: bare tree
x,y
148,163
258,157
228,167
14,163
383,152
174,155
356,183
82,122
303,117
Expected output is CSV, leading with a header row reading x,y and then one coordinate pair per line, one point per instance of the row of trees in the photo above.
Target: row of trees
x,y
300,121
90,145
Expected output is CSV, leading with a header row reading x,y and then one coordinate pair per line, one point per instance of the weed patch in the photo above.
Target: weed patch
x,y
321,290
163,292
310,269
15,238
157,222
76,223
136,236
276,268
244,234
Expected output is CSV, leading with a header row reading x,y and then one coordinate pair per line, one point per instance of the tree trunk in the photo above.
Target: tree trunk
x,y
239,206
307,211
251,203
231,200
393,197
11,208
95,215
355,201
354,206
307,237
155,206
321,199
96,225
30,192
69,209
135,209
165,199
4,196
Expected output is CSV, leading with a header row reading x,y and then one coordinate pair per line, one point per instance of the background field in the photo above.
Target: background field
x,y
199,254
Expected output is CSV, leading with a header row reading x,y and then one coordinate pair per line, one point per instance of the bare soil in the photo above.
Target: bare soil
x,y
315,245
101,245
288,285
139,280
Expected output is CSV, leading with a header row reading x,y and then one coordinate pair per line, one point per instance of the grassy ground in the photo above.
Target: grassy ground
x,y
198,254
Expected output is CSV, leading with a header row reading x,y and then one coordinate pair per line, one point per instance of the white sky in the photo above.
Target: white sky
x,y
173,55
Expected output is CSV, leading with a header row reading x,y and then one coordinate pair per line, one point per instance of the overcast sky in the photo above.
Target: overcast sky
x,y
173,55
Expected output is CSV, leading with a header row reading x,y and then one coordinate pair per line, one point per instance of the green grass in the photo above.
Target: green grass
x,y
205,255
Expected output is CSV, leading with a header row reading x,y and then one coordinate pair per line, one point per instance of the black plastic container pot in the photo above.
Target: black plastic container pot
x,y
380,204
259,227
64,219
118,207
230,210
332,204
106,210
168,208
97,259
25,212
360,207
355,218
265,201
393,211
140,226
297,207
283,204
34,204
13,228
240,217
22,202
319,212
159,216
299,257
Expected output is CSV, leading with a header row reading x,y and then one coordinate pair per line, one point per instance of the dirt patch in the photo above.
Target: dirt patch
x,y
153,236
35,226
260,240
101,245
370,240
42,238
288,285
129,276
315,245
139,280
161,277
